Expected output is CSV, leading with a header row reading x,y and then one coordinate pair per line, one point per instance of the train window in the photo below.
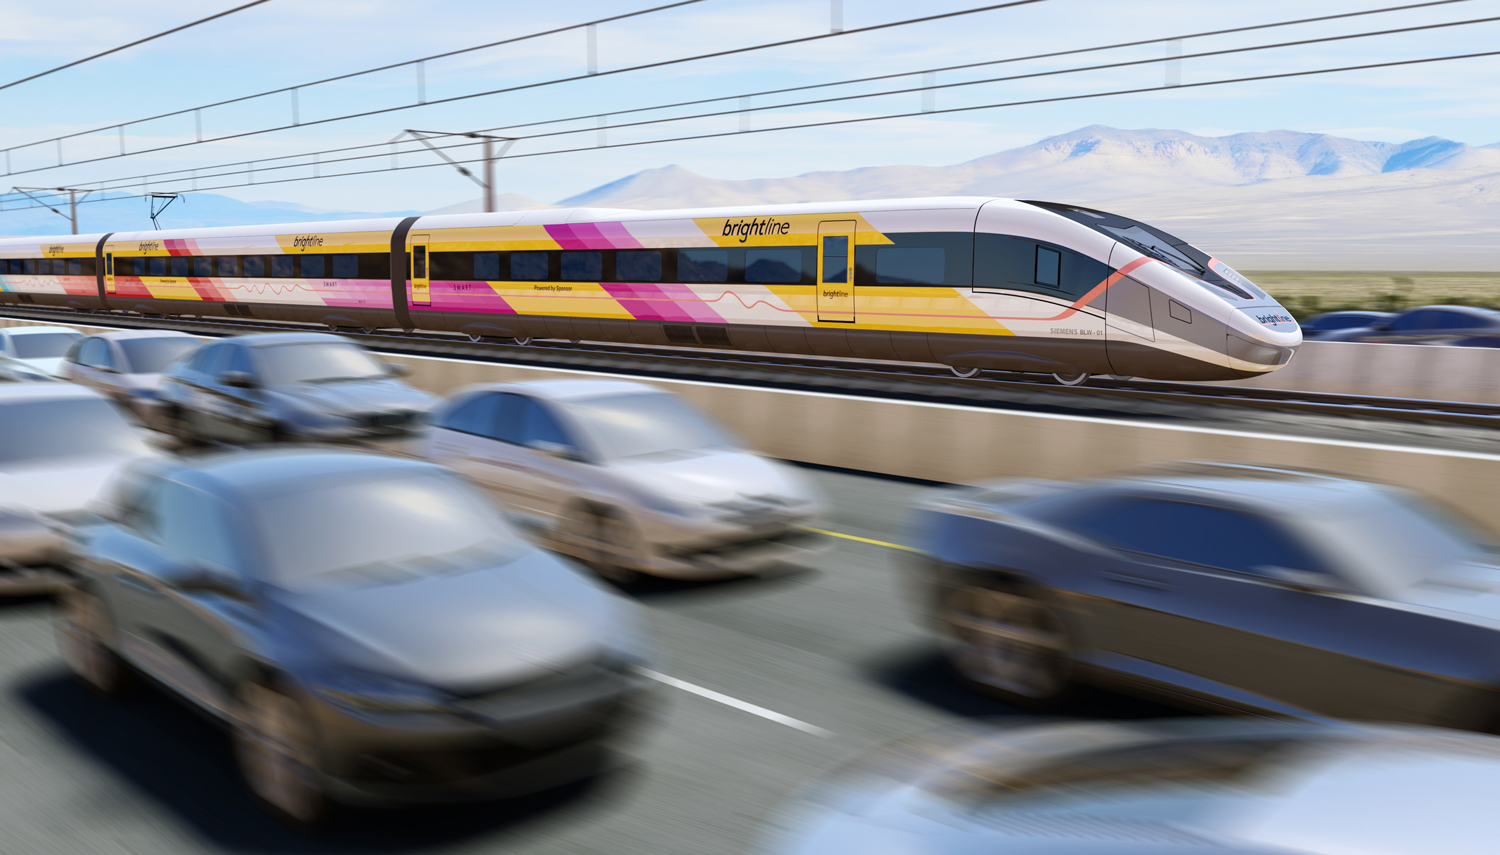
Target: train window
x,y
312,266
419,263
87,266
138,266
375,265
702,265
157,265
642,265
487,266
528,266
181,265
31,265
1048,266
896,265
228,266
450,265
582,266
345,267
203,266
254,266
785,265
282,266
75,267
835,259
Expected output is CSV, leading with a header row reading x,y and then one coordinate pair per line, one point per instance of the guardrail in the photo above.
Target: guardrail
x,y
1428,373
963,444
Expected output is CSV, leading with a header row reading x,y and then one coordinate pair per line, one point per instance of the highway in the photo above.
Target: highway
x,y
772,682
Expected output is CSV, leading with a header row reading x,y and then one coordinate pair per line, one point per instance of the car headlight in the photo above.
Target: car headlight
x,y
372,693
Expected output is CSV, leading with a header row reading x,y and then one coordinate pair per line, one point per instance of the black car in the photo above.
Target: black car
x,y
287,386
1237,587
1449,325
1328,323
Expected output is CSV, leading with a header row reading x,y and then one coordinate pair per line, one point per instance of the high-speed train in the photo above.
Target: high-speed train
x,y
973,283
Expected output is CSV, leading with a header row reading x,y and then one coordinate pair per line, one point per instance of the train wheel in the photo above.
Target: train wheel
x,y
369,330
522,340
965,373
475,337
1078,379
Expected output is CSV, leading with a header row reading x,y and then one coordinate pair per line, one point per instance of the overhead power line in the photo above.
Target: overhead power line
x,y
133,44
260,167
888,117
425,103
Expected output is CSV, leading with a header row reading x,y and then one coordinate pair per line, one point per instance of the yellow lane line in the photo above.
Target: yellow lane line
x,y
860,539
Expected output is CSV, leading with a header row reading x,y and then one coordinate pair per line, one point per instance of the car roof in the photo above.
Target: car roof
x,y
1279,489
570,390
276,469
120,335
272,339
1464,310
35,330
14,393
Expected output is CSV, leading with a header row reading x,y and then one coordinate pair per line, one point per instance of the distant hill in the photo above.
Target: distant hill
x,y
1280,199
125,213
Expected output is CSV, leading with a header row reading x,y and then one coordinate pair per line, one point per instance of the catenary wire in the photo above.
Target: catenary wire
x,y
456,98
240,166
133,44
866,119
269,163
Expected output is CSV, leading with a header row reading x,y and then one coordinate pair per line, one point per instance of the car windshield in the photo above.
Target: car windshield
x,y
1406,538
379,527
151,355
67,427
43,345
316,362
638,424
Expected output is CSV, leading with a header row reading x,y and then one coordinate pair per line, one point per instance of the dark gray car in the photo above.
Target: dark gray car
x,y
1238,587
369,628
287,386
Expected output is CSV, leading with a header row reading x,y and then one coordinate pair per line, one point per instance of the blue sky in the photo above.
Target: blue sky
x,y
282,43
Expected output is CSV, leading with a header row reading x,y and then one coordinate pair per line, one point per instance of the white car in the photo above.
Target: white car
x,y
628,478
60,446
127,364
40,349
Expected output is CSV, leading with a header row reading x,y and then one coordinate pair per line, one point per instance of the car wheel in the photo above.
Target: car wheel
x,y
1008,644
276,749
603,540
86,634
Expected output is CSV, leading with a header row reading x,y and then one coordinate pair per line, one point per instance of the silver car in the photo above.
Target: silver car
x,y
39,349
628,478
368,627
60,447
1199,787
126,364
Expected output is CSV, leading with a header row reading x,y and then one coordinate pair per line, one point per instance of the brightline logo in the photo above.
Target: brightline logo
x,y
746,228
308,240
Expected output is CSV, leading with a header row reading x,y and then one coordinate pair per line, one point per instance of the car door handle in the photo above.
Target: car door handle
x,y
1140,581
137,584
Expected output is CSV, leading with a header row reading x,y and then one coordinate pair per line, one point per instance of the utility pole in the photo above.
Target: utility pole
x,y
73,200
489,156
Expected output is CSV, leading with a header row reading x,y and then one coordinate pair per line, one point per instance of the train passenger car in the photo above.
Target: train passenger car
x,y
973,283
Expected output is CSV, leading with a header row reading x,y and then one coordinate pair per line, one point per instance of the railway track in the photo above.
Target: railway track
x,y
910,381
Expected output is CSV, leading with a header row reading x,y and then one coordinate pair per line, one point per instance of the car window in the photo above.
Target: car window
x,y
106,356
644,423
317,362
1456,321
64,427
475,415
197,528
1197,534
239,360
151,355
88,354
1413,321
75,350
205,358
43,345
223,356
538,425
510,415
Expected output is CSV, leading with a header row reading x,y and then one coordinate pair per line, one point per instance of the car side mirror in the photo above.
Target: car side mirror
x,y
397,369
553,449
237,379
1301,580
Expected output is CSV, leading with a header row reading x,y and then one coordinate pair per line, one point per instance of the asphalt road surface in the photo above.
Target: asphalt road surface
x,y
768,683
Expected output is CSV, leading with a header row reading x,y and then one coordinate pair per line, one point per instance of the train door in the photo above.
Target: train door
x,y
836,271
109,273
421,294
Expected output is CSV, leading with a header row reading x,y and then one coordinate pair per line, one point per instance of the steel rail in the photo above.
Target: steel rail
x,y
874,378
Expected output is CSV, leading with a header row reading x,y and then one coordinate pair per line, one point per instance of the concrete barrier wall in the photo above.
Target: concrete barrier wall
x,y
1389,371
965,444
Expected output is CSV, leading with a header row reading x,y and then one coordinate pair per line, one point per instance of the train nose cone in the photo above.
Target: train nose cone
x,y
1268,341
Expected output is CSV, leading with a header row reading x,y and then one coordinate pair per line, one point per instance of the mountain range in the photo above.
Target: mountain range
x,y
1265,200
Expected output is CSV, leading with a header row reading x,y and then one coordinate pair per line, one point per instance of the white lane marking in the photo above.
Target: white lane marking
x,y
734,702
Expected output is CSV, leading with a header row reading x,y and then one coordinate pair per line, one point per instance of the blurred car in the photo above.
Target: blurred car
x,y
39,349
628,478
1426,325
126,364
275,387
368,627
60,446
1236,587
1323,325
1225,786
